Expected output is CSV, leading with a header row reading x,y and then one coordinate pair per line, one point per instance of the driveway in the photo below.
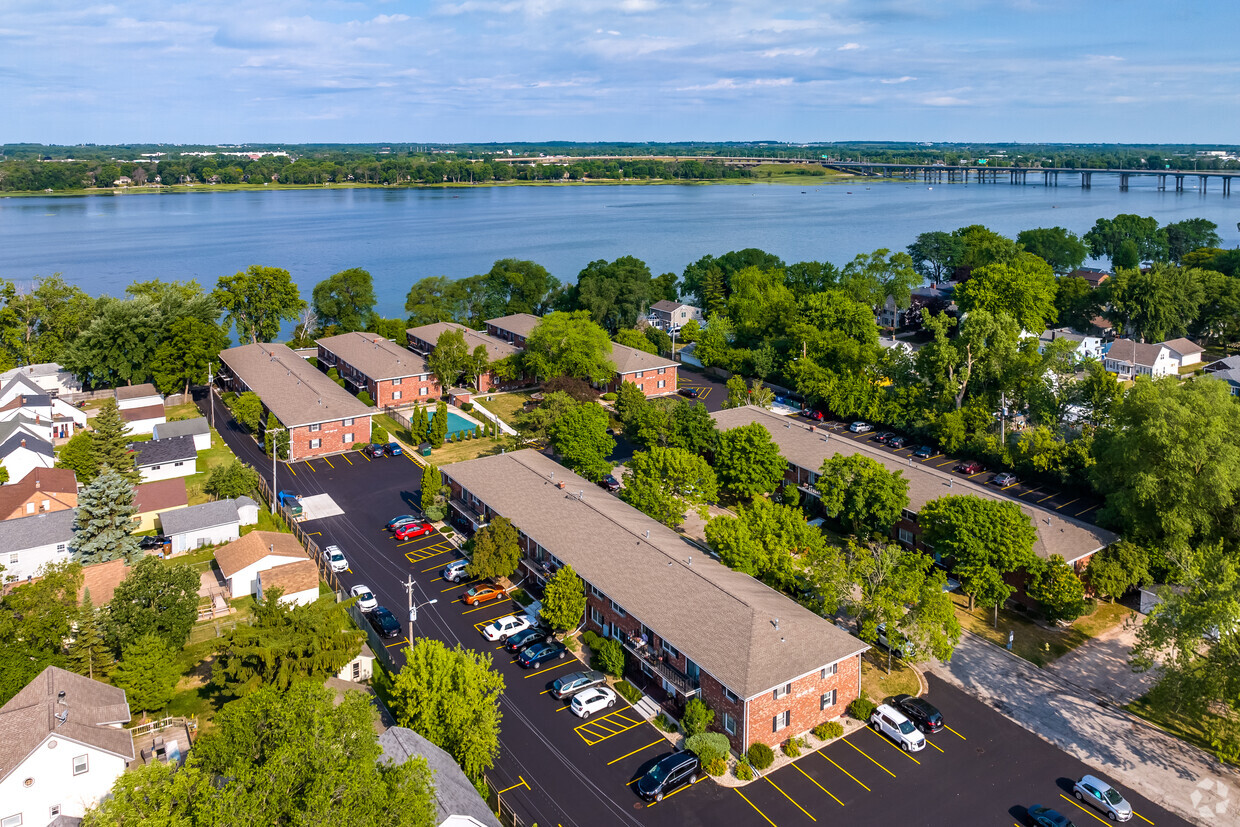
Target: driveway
x,y
1100,666
711,392
1172,774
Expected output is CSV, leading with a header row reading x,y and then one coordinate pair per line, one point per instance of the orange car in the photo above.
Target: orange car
x,y
481,594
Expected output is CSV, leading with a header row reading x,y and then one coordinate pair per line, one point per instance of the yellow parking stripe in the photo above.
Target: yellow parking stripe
x,y
560,665
1006,487
290,469
941,464
1082,809
311,467
521,782
346,458
589,731
957,734
672,793
458,585
328,461
639,749
816,784
417,557
927,459
432,568
846,772
755,808
363,453
1085,511
858,749
489,606
1047,497
936,746
1143,818
1065,505
903,752
978,474
785,795
404,642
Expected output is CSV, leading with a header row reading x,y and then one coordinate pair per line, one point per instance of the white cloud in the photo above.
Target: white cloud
x,y
848,47
791,52
902,79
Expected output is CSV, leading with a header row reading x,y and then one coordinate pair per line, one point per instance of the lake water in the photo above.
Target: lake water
x,y
401,235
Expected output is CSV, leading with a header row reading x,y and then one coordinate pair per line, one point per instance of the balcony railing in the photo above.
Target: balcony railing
x,y
654,662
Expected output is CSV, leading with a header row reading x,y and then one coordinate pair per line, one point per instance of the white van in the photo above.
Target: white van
x,y
892,723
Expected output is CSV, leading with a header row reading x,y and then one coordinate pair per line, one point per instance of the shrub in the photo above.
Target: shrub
x,y
477,432
760,755
743,771
629,692
716,767
466,406
792,747
365,399
609,658
666,724
862,708
698,716
828,730
609,397
708,746
378,435
519,595
592,639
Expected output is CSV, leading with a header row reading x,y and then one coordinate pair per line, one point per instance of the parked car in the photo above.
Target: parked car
x,y
392,449
365,599
923,452
373,450
481,594
335,558
589,701
454,572
384,621
970,466
924,715
860,427
610,483
535,656
505,627
574,682
1102,797
810,413
411,530
150,543
900,648
692,393
896,442
668,774
1004,478
397,522
524,640
882,438
889,721
1040,816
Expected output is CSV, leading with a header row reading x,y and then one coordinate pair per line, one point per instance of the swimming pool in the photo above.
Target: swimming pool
x,y
456,422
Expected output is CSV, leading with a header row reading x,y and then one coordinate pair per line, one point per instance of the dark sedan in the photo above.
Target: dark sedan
x,y
397,522
1046,817
524,640
896,442
610,483
923,452
692,393
535,656
882,438
151,543
384,621
669,773
393,449
924,715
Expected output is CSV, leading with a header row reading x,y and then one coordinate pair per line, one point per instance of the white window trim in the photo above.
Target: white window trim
x,y
729,718
822,700
85,759
8,821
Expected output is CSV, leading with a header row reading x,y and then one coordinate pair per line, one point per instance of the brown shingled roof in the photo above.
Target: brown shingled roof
x,y
101,579
145,412
160,495
253,547
522,324
291,578
496,348
49,482
376,357
630,359
136,391
291,388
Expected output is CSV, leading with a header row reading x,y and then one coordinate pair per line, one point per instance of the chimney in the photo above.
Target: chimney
x,y
560,484
23,442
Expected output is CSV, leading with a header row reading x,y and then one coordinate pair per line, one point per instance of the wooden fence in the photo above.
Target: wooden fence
x,y
313,551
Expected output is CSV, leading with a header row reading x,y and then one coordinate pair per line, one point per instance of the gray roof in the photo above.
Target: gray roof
x,y
37,530
182,427
454,794
21,380
669,306
496,348
522,324
630,359
807,448
159,451
88,708
1052,334
198,517
723,620
1134,352
376,357
9,427
32,443
40,369
291,388
1182,346
1227,369
137,391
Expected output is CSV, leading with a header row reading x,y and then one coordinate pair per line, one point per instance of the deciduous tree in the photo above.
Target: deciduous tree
x,y
154,598
496,551
564,600
231,480
248,410
1183,237
257,300
629,337
1118,568
1023,288
345,300
1059,592
665,482
36,618
1108,235
435,299
1059,248
748,461
934,255
450,358
614,292
861,492
581,440
764,540
185,355
569,344
78,455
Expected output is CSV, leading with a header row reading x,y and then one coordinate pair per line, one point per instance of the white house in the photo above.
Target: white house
x,y
207,524
241,561
1129,359
51,377
24,425
1087,347
196,428
138,396
18,385
361,668
63,747
457,803
164,459
1226,370
671,316
28,543
1186,351
60,419
20,454
144,419
297,581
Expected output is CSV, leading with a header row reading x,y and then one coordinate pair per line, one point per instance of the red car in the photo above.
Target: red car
x,y
970,466
411,530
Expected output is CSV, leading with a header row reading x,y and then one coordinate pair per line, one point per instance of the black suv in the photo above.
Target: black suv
x,y
384,621
668,773
924,715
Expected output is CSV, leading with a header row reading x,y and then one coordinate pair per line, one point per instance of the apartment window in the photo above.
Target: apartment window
x,y
729,723
46,505
828,671
14,556
11,821
783,691
906,536
730,696
346,423
348,437
670,650
615,607
315,443
828,700
662,382
396,394
80,764
661,372
422,391
911,516
639,374
395,381
594,591
782,720
596,616
30,507
315,427
53,811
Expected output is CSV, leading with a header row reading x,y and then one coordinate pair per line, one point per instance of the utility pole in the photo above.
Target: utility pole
x,y
211,392
413,607
1003,417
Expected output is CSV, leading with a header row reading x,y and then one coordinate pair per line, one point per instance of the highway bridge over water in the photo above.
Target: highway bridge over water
x,y
1020,175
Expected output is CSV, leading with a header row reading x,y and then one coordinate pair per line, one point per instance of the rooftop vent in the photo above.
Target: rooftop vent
x,y
776,622
60,697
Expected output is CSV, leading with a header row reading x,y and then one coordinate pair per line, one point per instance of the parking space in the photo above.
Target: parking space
x,y
710,392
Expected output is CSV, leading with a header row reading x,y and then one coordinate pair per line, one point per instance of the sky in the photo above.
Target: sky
x,y
230,71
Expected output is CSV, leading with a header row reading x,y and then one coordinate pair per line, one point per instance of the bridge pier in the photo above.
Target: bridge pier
x,y
1086,180
1179,183
1123,182
1162,182
1203,179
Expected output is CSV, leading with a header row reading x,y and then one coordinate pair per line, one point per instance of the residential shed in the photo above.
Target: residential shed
x,y
196,428
207,524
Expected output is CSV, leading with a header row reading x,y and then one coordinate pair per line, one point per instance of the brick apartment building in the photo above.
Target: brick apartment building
x,y
691,627
422,340
391,374
514,329
322,417
654,375
806,447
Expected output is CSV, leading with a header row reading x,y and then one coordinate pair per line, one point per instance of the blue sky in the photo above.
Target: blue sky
x,y
508,70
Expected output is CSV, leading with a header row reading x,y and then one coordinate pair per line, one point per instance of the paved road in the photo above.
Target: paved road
x,y
1101,665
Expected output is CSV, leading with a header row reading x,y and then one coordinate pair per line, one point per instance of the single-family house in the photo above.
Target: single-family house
x,y
457,802
1185,351
423,339
51,377
63,747
207,524
142,420
154,498
513,329
138,396
1087,346
55,419
688,355
197,428
25,425
18,385
1226,370
1129,359
41,491
29,543
241,561
321,417
391,374
101,580
892,343
670,316
20,454
691,626
361,668
655,375
163,459
1092,275
297,581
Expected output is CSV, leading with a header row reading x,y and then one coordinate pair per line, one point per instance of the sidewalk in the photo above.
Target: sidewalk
x,y
1164,769
1101,666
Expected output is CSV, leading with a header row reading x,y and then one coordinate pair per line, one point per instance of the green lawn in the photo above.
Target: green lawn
x,y
878,685
505,405
1187,725
469,449
217,454
1035,642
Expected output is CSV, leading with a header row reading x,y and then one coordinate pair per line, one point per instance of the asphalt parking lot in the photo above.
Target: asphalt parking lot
x,y
711,392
